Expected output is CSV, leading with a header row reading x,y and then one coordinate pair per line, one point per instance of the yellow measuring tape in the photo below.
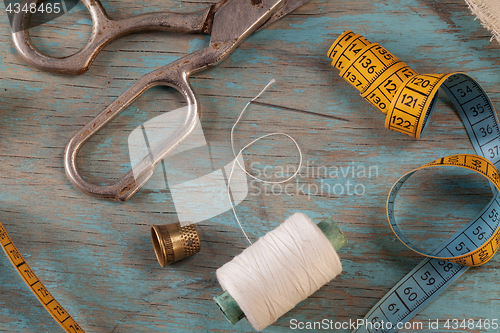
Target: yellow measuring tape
x,y
36,286
408,99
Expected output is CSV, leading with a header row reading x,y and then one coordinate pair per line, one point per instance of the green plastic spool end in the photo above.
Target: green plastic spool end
x,y
231,309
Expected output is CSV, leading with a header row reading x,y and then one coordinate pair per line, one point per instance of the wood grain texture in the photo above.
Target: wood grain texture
x,y
96,257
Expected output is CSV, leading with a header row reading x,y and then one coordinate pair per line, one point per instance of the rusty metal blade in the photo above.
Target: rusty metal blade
x,y
287,7
238,19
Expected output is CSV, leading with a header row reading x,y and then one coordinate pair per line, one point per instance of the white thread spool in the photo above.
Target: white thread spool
x,y
278,271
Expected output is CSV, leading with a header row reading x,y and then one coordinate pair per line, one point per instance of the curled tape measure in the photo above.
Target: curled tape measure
x,y
36,286
408,99
478,242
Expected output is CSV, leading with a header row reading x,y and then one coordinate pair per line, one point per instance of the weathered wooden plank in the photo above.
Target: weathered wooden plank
x,y
95,255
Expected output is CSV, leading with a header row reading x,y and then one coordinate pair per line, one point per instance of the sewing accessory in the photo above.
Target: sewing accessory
x,y
278,271
232,24
172,242
473,245
36,286
408,100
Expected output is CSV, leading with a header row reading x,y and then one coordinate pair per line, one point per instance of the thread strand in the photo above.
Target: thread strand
x,y
237,156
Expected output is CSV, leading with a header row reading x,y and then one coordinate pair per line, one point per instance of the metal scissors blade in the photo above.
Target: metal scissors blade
x,y
237,19
285,8
288,7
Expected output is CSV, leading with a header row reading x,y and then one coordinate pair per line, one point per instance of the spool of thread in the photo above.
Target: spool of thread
x,y
278,271
173,242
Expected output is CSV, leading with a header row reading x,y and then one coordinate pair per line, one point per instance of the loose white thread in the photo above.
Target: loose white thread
x,y
279,270
248,145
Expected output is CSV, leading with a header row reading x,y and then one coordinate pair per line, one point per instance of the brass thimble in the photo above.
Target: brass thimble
x,y
173,242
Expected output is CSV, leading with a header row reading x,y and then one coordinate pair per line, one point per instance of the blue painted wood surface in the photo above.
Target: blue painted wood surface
x,y
96,257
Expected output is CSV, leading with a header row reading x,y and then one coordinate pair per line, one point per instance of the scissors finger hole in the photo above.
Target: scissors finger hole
x,y
106,156
59,28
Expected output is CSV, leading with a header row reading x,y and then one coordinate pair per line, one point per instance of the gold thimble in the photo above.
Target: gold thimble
x,y
173,242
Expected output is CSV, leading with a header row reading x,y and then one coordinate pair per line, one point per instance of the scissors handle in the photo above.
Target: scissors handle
x,y
104,30
175,75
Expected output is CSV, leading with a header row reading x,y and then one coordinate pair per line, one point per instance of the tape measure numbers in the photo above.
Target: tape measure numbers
x,y
408,99
36,286
345,48
390,84
473,245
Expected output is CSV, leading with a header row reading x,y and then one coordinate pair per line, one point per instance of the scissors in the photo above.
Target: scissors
x,y
229,23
